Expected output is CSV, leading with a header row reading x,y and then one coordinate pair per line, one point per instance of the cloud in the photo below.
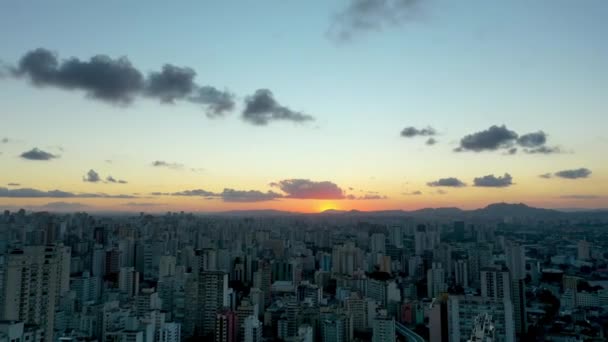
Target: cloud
x,y
111,179
573,174
410,132
261,108
38,154
413,193
171,83
499,137
545,175
101,77
13,184
493,138
580,197
216,101
543,150
35,193
362,16
118,81
195,192
63,206
372,197
162,163
441,192
5,140
143,204
431,141
231,195
532,139
447,182
493,181
92,177
307,189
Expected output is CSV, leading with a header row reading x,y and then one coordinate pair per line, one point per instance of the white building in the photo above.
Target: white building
x,y
463,311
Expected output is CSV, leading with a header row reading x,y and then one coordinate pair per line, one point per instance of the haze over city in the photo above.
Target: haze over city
x,y
303,106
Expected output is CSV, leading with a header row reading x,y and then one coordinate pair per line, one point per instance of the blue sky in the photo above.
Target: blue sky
x,y
459,67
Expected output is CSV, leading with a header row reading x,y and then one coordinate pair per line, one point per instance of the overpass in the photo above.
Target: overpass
x,y
410,335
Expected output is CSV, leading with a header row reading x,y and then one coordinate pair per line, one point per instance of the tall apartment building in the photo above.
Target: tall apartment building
x,y
212,297
384,328
33,281
464,310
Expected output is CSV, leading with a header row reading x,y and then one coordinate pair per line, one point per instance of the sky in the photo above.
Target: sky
x,y
302,105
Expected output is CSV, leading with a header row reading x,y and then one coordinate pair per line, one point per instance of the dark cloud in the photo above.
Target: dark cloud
x,y
543,150
118,81
92,177
532,140
431,141
171,83
162,163
216,101
493,181
499,137
111,179
5,140
413,193
13,184
372,197
410,132
35,193
63,206
195,193
231,195
307,189
102,78
581,197
545,175
143,204
261,108
447,182
494,138
38,154
573,174
362,16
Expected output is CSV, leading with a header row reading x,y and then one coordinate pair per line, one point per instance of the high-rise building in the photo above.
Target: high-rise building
x,y
435,280
516,263
226,326
246,308
461,273
32,283
583,250
212,297
384,328
253,329
166,266
357,307
495,284
378,243
128,281
462,313
438,320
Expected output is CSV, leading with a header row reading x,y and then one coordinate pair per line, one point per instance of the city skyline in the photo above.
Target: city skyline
x,y
303,107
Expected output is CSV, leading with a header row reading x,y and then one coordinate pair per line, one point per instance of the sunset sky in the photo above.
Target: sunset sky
x,y
303,105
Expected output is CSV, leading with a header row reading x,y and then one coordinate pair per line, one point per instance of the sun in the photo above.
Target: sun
x,y
327,205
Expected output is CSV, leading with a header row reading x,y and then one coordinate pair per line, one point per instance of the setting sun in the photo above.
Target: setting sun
x,y
327,205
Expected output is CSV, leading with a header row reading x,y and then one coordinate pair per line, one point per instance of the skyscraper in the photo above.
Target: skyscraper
x,y
435,280
384,328
516,263
212,297
32,285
